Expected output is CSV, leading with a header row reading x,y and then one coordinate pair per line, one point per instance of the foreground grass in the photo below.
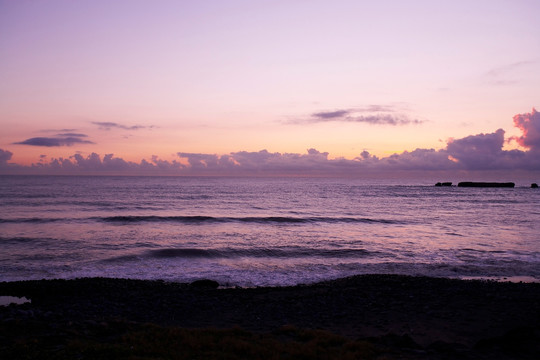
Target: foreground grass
x,y
156,342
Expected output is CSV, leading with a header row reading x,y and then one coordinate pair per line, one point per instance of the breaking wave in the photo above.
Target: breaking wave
x,y
259,220
233,253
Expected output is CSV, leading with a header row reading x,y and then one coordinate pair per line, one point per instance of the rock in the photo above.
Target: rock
x,y
443,184
534,186
205,284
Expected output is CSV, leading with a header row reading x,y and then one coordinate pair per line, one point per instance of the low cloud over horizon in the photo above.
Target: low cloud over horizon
x,y
480,152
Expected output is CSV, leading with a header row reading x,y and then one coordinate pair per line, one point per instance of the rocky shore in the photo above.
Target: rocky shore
x,y
378,316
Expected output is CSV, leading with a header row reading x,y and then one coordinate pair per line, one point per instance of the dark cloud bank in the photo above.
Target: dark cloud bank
x,y
475,153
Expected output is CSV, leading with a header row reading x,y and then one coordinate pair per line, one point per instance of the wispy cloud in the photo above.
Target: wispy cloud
x,y
70,134
508,74
505,69
65,139
383,119
59,130
106,125
372,114
331,115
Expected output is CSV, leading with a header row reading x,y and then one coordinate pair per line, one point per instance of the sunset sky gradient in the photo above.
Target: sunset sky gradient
x,y
269,87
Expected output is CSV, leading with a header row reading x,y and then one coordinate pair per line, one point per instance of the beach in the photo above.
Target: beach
x,y
397,316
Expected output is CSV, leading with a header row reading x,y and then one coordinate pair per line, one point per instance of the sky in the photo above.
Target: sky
x,y
269,87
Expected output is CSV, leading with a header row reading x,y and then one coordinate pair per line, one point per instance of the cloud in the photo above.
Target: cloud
x,y
200,161
73,135
59,130
265,161
95,164
505,69
5,156
416,160
383,119
529,123
472,154
261,162
56,141
104,125
376,119
485,152
480,151
337,114
372,114
508,74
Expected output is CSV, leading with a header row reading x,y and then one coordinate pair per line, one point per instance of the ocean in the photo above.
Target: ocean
x,y
263,231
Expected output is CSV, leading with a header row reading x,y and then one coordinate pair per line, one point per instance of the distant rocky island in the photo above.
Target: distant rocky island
x,y
484,184
443,184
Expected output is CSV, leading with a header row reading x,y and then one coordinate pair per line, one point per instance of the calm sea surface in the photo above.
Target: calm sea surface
x,y
251,232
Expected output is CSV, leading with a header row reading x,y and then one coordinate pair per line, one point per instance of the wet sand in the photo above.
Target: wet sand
x,y
412,317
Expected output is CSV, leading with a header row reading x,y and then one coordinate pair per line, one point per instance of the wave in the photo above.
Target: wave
x,y
21,239
232,253
197,219
200,219
33,220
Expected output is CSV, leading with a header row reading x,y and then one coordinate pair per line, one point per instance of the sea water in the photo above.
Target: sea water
x,y
262,231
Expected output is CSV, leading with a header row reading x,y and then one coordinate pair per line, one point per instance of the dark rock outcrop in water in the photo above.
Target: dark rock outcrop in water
x,y
534,186
486,184
443,184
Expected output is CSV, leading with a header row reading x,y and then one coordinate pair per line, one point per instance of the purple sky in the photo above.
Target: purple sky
x,y
254,87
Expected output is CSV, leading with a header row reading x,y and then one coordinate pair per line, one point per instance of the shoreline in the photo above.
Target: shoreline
x,y
512,279
431,315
